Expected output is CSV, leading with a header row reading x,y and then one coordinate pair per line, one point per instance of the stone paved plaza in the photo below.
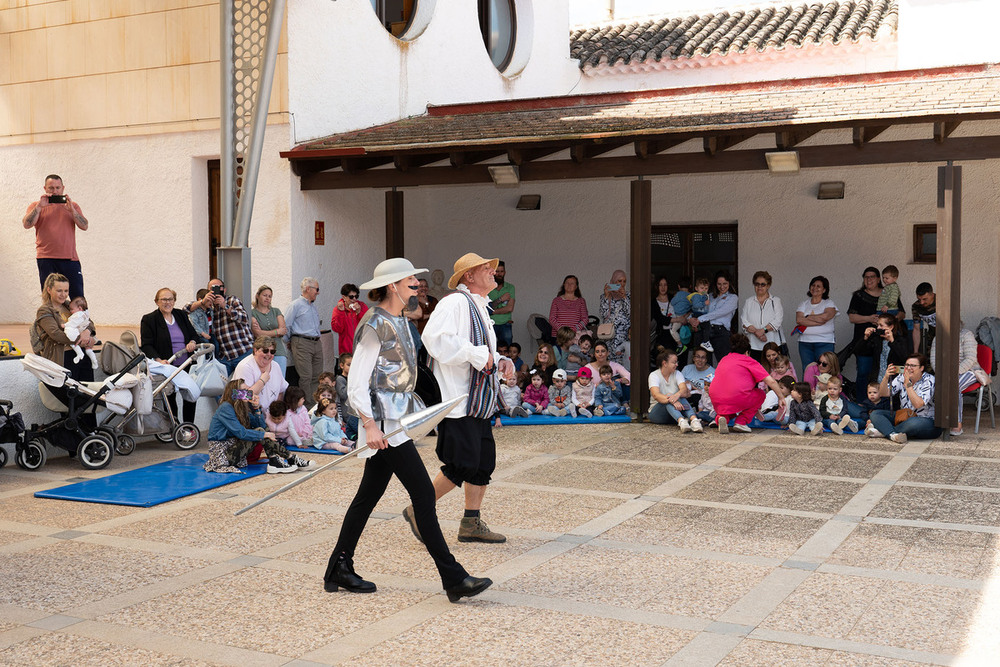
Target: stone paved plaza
x,y
629,544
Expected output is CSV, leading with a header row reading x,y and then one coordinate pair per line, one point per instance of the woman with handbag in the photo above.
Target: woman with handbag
x,y
616,316
165,332
761,316
915,388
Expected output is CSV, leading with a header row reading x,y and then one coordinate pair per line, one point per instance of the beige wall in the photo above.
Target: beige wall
x,y
76,69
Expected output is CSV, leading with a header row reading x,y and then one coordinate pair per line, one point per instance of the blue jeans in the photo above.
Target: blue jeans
x,y
504,332
612,409
230,364
806,426
810,352
665,413
530,408
864,373
282,362
920,428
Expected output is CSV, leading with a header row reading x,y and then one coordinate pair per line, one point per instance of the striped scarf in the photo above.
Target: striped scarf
x,y
484,386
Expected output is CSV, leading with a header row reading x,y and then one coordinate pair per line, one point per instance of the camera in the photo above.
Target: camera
x,y
57,199
217,290
883,333
242,395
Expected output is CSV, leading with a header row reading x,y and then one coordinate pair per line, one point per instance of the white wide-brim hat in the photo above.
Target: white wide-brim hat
x,y
391,270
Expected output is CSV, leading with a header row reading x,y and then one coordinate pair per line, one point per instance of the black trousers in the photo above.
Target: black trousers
x,y
404,462
719,338
189,407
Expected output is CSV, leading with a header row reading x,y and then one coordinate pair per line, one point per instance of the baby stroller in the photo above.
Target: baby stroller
x,y
11,428
150,414
73,400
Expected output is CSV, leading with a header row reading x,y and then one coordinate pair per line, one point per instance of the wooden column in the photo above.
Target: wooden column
x,y
393,223
949,301
639,270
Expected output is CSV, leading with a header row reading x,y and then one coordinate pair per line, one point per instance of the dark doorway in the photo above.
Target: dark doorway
x,y
214,216
693,250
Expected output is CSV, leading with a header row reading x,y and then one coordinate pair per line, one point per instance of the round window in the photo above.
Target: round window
x,y
498,23
395,15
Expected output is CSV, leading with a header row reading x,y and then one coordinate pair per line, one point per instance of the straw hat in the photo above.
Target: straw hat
x,y
469,261
390,271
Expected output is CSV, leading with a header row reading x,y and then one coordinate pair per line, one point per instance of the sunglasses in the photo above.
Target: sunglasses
x,y
822,363
760,284
268,350
352,296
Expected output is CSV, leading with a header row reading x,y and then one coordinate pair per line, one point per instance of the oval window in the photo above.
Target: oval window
x,y
395,15
498,23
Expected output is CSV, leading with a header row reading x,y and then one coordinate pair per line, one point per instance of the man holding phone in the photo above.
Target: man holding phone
x,y
55,218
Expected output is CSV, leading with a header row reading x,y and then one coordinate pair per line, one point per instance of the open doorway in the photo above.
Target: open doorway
x,y
694,250
214,216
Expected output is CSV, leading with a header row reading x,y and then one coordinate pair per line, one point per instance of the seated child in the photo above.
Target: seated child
x,y
579,354
699,306
608,394
775,406
706,411
560,396
77,322
510,394
295,399
583,392
803,415
514,352
681,306
535,399
782,366
833,409
327,433
314,412
871,403
822,380
280,425
350,421
888,301
199,318
564,340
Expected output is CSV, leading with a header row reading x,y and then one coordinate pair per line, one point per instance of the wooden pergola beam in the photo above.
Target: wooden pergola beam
x,y
788,139
715,144
462,158
943,130
521,156
646,147
580,152
865,133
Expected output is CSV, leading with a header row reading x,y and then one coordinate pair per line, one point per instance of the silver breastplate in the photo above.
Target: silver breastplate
x,y
395,375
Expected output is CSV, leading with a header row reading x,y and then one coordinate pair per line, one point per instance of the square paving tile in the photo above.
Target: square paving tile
x,y
955,472
984,445
889,613
519,636
946,505
669,584
666,446
281,616
850,441
623,477
774,654
725,530
952,553
66,649
13,538
811,462
65,575
59,513
764,490
543,439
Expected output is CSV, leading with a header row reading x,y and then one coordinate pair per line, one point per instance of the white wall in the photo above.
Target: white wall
x,y
147,202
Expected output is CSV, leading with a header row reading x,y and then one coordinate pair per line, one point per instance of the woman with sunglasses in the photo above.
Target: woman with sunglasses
x,y
761,316
346,315
827,363
915,388
165,332
261,372
267,320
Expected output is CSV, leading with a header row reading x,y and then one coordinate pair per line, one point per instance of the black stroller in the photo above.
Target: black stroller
x,y
11,428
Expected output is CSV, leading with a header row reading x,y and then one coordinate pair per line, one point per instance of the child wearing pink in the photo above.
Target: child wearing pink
x,y
734,389
301,424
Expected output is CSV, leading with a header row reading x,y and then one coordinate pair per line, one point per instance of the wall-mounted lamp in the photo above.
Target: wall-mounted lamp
x,y
830,190
505,175
529,203
782,162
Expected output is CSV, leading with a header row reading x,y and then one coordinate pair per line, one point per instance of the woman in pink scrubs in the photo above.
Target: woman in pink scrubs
x,y
734,390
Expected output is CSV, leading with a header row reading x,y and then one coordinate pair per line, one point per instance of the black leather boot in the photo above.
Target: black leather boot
x,y
467,588
340,573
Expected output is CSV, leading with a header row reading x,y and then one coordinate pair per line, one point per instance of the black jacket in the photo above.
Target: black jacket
x,y
154,337
899,349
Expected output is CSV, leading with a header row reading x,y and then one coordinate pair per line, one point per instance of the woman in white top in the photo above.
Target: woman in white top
x,y
814,317
761,316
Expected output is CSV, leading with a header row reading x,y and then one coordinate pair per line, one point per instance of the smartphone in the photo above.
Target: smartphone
x,y
217,290
57,199
614,286
243,395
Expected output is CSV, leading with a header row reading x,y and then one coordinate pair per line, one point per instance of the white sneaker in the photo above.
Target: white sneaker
x,y
872,432
849,424
276,465
684,425
707,347
742,428
817,428
898,438
837,428
956,431
796,429
723,424
696,425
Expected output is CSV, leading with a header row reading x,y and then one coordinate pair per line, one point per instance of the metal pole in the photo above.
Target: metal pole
x,y
227,188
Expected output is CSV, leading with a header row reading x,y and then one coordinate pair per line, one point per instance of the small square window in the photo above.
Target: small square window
x,y
925,243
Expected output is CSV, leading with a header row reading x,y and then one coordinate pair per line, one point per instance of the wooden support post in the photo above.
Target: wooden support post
x,y
639,271
393,223
949,295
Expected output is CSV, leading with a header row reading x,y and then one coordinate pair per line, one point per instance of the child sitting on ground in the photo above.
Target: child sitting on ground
x,y
775,406
315,413
560,396
77,322
280,425
888,300
822,381
706,411
510,394
327,433
871,403
699,306
608,395
782,366
833,409
295,399
535,399
583,392
350,421
803,415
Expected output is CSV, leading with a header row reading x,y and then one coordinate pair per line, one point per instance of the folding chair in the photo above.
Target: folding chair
x,y
985,357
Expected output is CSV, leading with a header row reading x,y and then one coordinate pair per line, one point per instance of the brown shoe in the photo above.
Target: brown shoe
x,y
412,520
474,529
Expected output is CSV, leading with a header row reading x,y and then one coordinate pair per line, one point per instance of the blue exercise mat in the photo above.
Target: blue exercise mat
x,y
534,420
152,485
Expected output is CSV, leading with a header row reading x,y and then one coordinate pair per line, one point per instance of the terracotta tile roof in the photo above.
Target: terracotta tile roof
x,y
955,93
736,32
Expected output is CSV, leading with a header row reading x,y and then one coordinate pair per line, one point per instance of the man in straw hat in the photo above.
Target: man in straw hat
x,y
460,337
380,391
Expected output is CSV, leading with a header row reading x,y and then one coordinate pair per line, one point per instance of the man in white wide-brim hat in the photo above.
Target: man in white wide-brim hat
x,y
380,390
459,336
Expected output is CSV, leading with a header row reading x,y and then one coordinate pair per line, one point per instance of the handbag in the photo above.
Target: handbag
x,y
210,375
605,331
902,415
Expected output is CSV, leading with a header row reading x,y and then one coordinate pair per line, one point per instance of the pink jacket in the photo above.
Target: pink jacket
x,y
533,396
300,418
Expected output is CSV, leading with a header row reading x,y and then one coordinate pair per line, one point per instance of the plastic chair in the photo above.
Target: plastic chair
x,y
985,357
